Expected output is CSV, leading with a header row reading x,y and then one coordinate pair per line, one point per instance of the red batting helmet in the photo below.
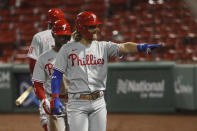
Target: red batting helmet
x,y
86,19
61,27
55,14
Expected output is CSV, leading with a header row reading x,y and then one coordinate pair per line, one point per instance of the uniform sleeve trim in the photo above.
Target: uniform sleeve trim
x,y
35,80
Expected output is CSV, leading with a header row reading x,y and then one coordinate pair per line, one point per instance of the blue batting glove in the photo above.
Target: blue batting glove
x,y
56,106
148,47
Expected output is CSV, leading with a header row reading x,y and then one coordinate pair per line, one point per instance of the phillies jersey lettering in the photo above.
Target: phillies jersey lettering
x,y
87,60
43,69
87,65
41,42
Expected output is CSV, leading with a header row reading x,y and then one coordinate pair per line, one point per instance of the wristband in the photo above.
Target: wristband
x,y
141,47
54,95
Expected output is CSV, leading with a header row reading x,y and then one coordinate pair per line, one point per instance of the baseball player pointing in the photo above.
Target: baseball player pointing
x,y
84,61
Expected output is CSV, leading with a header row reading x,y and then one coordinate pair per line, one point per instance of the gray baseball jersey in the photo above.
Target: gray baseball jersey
x,y
42,73
85,66
41,42
43,69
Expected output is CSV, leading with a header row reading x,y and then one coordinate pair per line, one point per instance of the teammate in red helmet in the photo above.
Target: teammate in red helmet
x,y
38,44
41,42
61,28
84,61
42,76
54,15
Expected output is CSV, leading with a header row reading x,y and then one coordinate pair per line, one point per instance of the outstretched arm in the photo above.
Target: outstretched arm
x,y
128,47
131,47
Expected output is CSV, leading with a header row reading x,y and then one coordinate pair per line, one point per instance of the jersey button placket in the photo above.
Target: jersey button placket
x,y
86,68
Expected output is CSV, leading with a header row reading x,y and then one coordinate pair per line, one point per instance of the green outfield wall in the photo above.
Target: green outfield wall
x,y
139,87
185,86
6,96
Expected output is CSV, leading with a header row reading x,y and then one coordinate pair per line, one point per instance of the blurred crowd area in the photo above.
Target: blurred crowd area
x,y
141,21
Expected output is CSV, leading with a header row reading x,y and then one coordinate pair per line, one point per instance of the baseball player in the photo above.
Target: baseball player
x,y
84,62
41,42
42,75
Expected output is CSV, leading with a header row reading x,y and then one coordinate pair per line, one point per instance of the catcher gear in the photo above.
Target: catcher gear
x,y
148,47
85,19
61,27
54,15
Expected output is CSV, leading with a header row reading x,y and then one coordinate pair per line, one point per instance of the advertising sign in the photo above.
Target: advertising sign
x,y
140,88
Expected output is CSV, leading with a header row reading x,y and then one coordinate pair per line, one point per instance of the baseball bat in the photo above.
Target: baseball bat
x,y
23,96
